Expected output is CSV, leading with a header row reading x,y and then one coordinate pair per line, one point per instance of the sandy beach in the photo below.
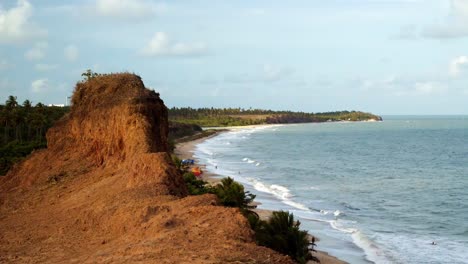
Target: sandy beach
x,y
186,150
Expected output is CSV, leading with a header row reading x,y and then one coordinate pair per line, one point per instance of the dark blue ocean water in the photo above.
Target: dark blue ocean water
x,y
372,191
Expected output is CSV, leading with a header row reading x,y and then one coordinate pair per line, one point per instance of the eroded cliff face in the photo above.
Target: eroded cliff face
x,y
105,190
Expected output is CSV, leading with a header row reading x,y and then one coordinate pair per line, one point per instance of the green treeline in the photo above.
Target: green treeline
x,y
207,117
23,128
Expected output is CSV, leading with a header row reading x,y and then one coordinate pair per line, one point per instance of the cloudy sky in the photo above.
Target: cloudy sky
x,y
382,56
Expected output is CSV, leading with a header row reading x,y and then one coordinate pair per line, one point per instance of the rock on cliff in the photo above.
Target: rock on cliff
x,y
105,190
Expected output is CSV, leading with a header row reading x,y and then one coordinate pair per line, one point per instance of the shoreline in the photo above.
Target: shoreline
x,y
185,150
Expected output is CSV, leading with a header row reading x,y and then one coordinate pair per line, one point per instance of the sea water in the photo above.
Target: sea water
x,y
373,192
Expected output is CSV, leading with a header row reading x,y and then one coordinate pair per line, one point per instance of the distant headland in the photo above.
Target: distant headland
x,y
220,117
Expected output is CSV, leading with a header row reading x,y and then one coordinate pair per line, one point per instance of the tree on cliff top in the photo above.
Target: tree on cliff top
x,y
89,74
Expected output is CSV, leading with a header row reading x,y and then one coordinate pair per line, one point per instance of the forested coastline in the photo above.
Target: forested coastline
x,y
23,126
219,117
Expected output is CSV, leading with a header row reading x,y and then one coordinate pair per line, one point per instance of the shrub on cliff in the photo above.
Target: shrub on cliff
x,y
232,194
281,233
196,186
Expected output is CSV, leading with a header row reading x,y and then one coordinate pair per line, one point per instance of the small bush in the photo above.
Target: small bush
x,y
232,194
281,233
196,186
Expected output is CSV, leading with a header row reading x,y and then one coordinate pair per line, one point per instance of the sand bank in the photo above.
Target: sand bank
x,y
186,150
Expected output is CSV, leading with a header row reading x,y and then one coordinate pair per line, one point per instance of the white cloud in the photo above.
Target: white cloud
x,y
45,67
71,53
37,52
128,8
40,85
162,45
456,25
15,24
458,64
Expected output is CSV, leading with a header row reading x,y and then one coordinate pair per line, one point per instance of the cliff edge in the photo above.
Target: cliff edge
x,y
106,191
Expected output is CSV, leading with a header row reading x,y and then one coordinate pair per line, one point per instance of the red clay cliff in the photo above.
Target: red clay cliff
x,y
106,191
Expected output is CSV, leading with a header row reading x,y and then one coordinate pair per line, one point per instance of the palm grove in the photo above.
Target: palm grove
x,y
23,127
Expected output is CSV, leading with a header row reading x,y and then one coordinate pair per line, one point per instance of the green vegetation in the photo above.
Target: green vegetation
x,y
232,194
23,128
89,74
281,233
196,186
179,131
213,117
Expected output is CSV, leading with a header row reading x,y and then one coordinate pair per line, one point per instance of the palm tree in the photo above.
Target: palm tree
x,y
282,234
232,194
11,102
27,104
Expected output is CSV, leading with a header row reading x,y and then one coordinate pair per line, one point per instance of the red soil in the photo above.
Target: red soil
x,y
106,191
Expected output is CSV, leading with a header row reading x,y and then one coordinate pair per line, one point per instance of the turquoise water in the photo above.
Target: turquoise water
x,y
377,192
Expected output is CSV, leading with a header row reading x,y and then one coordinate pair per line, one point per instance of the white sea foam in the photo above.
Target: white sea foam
x,y
280,192
211,162
336,224
336,213
373,253
295,204
204,150
248,160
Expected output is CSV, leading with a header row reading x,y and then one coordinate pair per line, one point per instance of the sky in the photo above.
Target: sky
x,y
388,57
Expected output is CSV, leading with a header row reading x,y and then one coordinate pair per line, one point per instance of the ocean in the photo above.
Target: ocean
x,y
373,192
